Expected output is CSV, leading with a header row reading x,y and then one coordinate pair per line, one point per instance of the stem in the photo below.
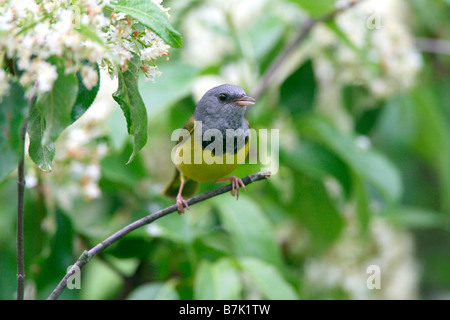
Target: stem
x,y
88,255
20,205
267,78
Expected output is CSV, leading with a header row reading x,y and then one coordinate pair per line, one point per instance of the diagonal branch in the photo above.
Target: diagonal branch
x,y
88,255
299,38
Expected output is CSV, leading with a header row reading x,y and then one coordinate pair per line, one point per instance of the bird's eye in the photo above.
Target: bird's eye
x,y
223,97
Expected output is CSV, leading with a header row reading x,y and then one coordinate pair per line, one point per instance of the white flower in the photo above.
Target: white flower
x,y
4,85
123,54
27,79
149,36
93,171
46,75
150,72
23,7
41,30
54,31
378,28
65,22
157,50
344,265
30,181
5,20
77,137
94,51
54,43
24,59
72,40
89,76
204,45
92,191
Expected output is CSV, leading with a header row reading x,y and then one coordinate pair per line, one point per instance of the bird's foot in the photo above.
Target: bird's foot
x,y
236,183
181,203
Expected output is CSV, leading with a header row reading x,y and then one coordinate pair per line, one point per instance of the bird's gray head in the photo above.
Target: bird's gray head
x,y
223,107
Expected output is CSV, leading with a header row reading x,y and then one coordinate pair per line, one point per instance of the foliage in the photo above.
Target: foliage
x,y
364,167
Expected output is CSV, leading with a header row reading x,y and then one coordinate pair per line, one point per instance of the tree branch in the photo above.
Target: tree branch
x,y
88,255
266,79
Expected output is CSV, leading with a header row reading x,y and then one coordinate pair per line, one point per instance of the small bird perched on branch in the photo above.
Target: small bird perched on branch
x,y
214,142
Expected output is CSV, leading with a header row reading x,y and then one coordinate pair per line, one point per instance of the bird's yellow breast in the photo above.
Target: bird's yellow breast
x,y
202,165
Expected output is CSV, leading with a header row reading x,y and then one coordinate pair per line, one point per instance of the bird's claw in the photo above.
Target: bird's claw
x,y
181,203
236,183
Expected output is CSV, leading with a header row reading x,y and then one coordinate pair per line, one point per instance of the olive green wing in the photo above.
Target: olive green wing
x,y
189,126
190,187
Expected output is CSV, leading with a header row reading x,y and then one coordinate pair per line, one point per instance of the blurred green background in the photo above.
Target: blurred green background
x,y
362,106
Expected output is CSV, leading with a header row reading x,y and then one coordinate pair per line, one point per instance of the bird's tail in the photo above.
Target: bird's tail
x,y
171,190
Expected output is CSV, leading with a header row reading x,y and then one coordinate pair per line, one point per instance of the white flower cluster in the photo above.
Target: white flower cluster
x,y
35,33
383,58
346,266
122,39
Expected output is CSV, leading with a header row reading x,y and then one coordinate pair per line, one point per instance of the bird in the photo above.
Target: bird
x,y
219,115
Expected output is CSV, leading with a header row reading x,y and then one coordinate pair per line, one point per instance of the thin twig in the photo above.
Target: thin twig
x,y
20,214
20,206
88,255
437,46
306,28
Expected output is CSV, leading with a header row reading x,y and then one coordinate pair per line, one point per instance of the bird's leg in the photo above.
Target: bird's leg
x,y
236,183
180,201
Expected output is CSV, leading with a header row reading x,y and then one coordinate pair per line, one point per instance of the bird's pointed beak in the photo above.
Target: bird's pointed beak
x,y
244,101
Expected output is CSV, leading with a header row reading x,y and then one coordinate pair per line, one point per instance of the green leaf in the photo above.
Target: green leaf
x,y
129,99
117,176
8,287
60,252
267,37
99,281
432,136
174,85
298,91
250,230
155,291
218,281
371,165
13,109
56,105
317,212
315,161
417,218
178,230
362,203
268,279
316,8
85,97
49,116
150,15
42,155
90,34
